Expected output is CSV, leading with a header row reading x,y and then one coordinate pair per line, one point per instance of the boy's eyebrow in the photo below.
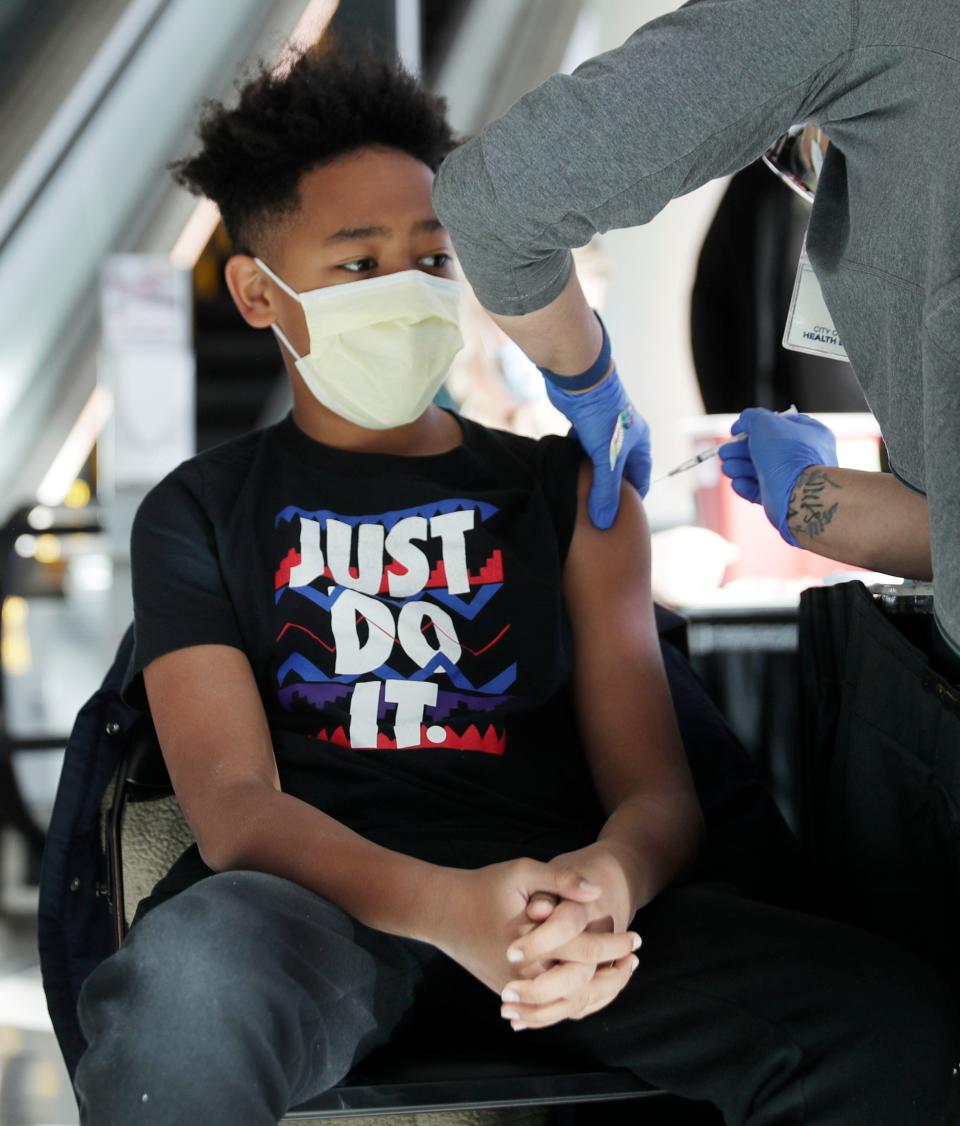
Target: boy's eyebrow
x,y
347,233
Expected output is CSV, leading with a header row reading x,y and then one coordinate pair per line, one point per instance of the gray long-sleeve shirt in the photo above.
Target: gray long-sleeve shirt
x,y
702,92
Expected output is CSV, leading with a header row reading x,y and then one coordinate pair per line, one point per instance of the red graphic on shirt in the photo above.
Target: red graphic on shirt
x,y
490,572
490,742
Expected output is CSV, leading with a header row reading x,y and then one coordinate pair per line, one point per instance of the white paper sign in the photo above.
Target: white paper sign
x,y
145,299
147,364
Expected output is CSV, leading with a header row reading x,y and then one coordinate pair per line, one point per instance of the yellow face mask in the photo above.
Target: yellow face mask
x,y
380,348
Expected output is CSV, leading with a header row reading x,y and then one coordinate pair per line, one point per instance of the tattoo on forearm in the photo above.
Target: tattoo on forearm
x,y
811,507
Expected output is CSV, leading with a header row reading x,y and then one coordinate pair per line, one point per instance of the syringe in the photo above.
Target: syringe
x,y
705,455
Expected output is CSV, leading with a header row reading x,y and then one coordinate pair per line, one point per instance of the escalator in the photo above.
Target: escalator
x,y
45,48
92,182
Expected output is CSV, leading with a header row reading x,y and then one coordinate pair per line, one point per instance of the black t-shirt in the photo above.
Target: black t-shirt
x,y
405,621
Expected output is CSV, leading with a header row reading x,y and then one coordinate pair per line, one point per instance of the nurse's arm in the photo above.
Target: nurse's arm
x,y
696,94
563,336
866,519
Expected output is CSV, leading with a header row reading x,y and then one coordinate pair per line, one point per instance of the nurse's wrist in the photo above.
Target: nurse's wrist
x,y
594,375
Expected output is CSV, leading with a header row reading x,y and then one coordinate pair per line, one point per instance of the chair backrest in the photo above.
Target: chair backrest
x,y
143,827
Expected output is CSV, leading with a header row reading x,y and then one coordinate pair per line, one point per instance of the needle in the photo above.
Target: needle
x,y
705,455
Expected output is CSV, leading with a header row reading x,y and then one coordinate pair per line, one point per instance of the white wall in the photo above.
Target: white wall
x,y
648,303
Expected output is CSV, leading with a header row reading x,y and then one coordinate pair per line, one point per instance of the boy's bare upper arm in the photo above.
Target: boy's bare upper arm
x,y
212,730
624,705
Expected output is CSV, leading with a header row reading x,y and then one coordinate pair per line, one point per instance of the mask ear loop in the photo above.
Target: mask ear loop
x,y
282,337
278,331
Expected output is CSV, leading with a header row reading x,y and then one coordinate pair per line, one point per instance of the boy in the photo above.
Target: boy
x,y
414,707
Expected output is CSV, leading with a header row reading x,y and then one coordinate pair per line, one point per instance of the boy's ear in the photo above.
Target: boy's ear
x,y
251,291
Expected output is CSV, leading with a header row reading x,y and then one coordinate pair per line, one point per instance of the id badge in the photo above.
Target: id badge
x,y
810,326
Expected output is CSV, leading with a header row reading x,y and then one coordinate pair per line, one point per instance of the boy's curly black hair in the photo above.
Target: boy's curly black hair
x,y
289,122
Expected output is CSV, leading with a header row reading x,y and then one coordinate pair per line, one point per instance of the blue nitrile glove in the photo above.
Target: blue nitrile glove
x,y
614,436
765,466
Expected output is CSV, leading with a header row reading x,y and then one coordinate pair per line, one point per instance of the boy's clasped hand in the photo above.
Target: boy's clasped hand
x,y
550,938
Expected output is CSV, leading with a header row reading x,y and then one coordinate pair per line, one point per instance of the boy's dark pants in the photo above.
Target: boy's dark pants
x,y
247,994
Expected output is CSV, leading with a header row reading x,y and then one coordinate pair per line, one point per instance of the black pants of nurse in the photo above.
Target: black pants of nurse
x,y
247,994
